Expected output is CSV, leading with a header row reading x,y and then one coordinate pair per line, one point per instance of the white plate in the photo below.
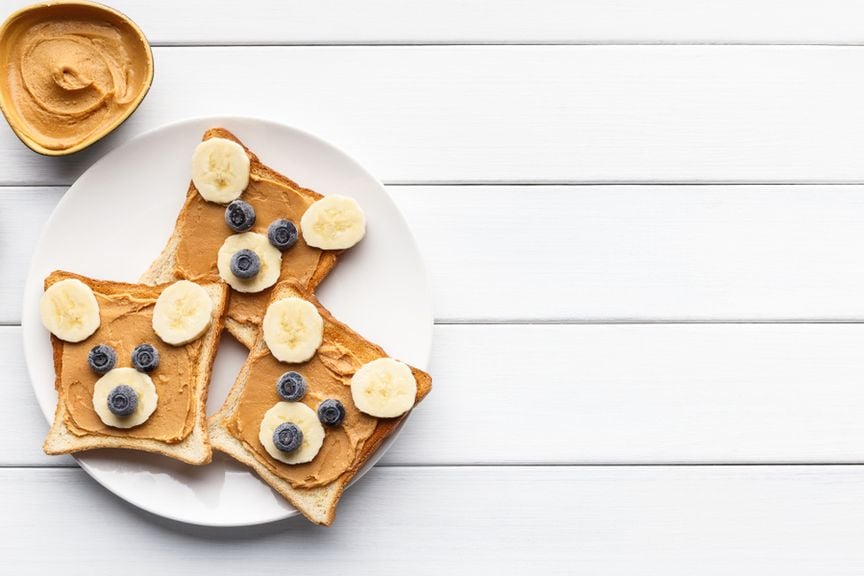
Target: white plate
x,y
115,219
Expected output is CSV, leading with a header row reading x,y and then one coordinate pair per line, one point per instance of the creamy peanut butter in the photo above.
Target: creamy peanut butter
x,y
203,230
72,72
328,375
126,322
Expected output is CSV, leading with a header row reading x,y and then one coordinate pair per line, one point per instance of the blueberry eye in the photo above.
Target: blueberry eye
x,y
287,437
145,358
291,386
239,216
331,412
245,263
282,234
122,400
102,358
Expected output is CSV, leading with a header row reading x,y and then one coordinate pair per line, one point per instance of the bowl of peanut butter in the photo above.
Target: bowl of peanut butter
x,y
70,73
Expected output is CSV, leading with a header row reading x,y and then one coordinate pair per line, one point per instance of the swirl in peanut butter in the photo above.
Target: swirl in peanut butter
x,y
70,81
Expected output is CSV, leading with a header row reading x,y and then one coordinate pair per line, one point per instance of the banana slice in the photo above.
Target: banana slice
x,y
333,223
293,329
138,381
270,261
182,313
220,170
69,310
305,418
384,388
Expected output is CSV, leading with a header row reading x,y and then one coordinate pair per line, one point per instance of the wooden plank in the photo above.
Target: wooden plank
x,y
523,114
19,409
595,394
507,21
640,253
28,209
597,253
603,521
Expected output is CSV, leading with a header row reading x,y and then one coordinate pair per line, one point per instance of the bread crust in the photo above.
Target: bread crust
x,y
164,268
317,504
195,448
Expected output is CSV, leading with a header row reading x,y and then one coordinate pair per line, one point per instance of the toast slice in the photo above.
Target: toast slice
x,y
341,352
200,230
178,426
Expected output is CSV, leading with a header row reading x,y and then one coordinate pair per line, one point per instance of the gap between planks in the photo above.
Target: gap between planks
x,y
493,43
605,322
10,186
529,465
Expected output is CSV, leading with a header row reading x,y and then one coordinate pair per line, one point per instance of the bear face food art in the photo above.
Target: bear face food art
x,y
131,359
251,261
254,227
312,402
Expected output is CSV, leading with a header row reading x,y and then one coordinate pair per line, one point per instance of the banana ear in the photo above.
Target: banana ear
x,y
183,313
333,223
69,309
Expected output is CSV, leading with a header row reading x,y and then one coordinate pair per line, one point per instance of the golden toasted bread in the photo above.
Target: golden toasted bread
x,y
314,488
200,229
178,427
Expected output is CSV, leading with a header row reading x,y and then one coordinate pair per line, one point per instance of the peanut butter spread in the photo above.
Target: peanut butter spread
x,y
73,73
203,230
126,322
328,375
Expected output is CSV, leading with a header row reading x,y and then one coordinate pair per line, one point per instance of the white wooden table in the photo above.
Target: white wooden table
x,y
643,222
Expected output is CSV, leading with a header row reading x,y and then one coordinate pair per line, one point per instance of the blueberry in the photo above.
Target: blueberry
x,y
331,412
291,386
287,437
102,358
282,234
245,263
240,216
122,400
145,358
